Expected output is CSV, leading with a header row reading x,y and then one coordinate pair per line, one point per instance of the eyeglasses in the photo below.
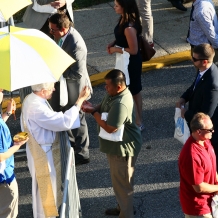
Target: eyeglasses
x,y
53,30
200,59
208,130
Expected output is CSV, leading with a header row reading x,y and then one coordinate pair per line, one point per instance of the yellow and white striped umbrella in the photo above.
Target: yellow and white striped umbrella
x,y
9,7
29,57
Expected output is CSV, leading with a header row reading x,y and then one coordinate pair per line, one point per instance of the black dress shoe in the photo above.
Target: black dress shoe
x,y
178,4
81,161
114,211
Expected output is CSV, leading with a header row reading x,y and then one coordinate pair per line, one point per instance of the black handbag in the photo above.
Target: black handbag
x,y
147,52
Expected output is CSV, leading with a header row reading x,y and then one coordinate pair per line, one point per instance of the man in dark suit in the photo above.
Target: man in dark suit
x,y
38,20
202,95
76,78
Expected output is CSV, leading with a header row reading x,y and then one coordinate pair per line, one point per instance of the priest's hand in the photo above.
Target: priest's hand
x,y
84,94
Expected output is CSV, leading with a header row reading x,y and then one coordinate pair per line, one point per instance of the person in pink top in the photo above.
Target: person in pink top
x,y
197,168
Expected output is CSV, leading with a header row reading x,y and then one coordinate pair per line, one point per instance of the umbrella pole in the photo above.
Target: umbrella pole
x,y
11,21
8,26
13,111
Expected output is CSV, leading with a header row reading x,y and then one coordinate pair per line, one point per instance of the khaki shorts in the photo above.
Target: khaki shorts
x,y
9,203
208,215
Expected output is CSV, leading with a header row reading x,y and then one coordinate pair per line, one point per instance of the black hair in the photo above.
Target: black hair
x,y
60,19
117,77
130,14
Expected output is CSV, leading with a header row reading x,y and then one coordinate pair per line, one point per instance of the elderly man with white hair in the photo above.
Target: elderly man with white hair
x,y
42,124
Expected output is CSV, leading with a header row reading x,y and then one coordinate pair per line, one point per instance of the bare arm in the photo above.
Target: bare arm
x,y
131,37
12,150
130,33
11,107
89,108
180,103
103,124
205,188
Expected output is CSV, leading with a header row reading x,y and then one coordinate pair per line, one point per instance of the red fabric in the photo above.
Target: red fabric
x,y
197,164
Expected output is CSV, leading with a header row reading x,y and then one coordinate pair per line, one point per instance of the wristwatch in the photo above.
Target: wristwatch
x,y
8,114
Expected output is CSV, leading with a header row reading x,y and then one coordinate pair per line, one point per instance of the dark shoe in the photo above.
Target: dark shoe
x,y
81,161
178,4
112,212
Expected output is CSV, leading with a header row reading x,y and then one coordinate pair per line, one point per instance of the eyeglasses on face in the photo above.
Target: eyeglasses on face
x,y
200,59
53,30
208,130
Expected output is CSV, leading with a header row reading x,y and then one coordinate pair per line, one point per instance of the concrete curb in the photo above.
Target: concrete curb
x,y
154,63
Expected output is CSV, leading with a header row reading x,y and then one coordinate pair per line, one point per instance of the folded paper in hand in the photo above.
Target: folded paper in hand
x,y
115,136
182,132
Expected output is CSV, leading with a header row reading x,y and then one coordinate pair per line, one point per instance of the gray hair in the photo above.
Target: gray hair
x,y
39,87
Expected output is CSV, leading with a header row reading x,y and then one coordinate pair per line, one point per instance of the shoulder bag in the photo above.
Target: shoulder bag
x,y
147,52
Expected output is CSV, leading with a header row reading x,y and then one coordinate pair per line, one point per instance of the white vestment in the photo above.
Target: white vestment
x,y
43,123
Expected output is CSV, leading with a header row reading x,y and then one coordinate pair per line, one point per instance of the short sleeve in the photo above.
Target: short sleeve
x,y
194,172
117,115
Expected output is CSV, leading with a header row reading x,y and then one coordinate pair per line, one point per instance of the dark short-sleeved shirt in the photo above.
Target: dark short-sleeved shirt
x,y
7,167
197,164
120,111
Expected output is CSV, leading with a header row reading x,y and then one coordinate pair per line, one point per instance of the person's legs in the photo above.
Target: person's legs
x,y
138,108
178,4
9,200
79,140
147,19
122,177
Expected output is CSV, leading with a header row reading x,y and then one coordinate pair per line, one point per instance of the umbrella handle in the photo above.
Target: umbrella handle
x,y
13,111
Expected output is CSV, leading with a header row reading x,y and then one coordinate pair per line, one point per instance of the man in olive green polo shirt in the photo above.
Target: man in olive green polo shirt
x,y
122,155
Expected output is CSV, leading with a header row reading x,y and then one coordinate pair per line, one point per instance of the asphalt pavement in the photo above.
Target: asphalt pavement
x,y
156,176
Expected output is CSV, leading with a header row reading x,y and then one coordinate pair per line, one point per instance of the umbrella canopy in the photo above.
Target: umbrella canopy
x,y
10,7
29,57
